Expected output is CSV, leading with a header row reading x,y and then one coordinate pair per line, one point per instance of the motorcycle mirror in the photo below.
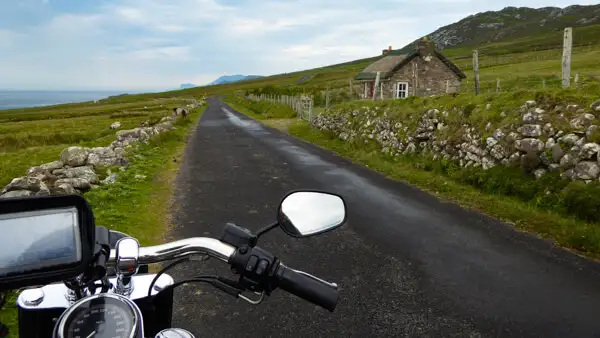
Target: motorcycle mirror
x,y
44,239
308,213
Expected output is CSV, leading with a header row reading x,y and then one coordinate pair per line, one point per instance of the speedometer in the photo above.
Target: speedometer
x,y
100,316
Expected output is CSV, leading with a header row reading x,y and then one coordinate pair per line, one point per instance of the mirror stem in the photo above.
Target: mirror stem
x,y
266,229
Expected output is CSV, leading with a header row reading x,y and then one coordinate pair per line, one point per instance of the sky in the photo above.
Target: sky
x,y
150,45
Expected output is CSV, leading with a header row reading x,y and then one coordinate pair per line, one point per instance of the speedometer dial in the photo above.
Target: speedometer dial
x,y
100,317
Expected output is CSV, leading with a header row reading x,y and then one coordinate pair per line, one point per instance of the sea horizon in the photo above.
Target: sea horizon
x,y
15,99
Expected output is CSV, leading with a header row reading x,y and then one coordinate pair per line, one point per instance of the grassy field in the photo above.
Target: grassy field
x,y
140,208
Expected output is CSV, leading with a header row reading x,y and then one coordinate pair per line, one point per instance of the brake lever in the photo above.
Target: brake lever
x,y
227,285
235,289
251,301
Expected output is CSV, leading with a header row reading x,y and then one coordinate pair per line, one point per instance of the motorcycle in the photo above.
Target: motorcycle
x,y
82,280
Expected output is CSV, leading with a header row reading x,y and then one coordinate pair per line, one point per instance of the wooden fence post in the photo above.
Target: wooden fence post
x,y
544,83
566,59
476,70
447,86
576,79
498,85
327,97
350,84
376,85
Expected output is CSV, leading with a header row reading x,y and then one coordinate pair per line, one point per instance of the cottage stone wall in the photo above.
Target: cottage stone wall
x,y
431,78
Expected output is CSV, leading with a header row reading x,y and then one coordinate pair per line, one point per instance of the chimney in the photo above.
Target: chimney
x,y
385,51
425,46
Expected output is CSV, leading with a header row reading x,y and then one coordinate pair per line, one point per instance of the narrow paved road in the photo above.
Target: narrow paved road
x,y
408,264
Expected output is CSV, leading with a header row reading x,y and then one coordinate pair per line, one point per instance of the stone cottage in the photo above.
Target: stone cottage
x,y
424,72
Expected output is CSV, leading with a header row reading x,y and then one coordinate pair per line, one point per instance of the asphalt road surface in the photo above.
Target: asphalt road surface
x,y
408,264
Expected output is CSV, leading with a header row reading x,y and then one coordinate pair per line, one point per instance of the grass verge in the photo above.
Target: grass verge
x,y
138,207
579,236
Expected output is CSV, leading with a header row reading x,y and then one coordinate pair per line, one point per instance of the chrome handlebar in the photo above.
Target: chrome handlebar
x,y
173,250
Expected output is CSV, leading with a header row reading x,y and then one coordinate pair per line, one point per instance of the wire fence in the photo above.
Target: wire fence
x,y
302,104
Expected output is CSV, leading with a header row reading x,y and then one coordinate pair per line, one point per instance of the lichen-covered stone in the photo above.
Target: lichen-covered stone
x,y
74,156
530,145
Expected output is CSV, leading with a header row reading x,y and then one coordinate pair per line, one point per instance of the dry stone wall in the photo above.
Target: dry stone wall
x,y
540,139
76,170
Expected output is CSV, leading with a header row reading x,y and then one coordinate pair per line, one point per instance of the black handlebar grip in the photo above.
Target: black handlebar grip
x,y
307,287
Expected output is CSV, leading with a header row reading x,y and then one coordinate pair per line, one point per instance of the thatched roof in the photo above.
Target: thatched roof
x,y
384,65
393,61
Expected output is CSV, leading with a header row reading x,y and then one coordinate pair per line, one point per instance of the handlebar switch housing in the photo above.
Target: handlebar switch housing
x,y
238,236
256,268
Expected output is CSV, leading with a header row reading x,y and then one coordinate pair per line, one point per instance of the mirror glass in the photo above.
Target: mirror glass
x,y
36,240
306,213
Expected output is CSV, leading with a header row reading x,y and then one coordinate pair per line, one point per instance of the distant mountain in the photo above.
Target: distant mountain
x,y
511,23
187,85
234,78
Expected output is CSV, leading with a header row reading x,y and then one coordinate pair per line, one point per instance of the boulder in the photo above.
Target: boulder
x,y
595,106
24,183
487,163
531,130
498,152
548,129
568,174
569,139
591,130
490,142
74,156
86,173
529,162
498,134
530,103
121,134
78,183
110,179
582,121
63,189
530,145
17,193
103,157
568,161
45,167
115,125
164,126
587,170
549,143
589,150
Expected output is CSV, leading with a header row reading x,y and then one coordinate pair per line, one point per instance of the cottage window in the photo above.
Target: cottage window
x,y
401,90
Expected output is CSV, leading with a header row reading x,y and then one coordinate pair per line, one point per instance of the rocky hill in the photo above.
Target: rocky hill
x,y
511,23
234,78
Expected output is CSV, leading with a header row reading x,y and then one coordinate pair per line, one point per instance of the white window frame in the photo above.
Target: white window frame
x,y
398,90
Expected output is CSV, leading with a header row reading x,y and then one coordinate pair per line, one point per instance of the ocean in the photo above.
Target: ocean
x,y
10,99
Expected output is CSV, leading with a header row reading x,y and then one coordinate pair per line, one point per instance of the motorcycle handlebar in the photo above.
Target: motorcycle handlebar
x,y
301,284
307,287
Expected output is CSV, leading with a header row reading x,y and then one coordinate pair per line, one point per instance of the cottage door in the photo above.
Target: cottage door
x,y
371,88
